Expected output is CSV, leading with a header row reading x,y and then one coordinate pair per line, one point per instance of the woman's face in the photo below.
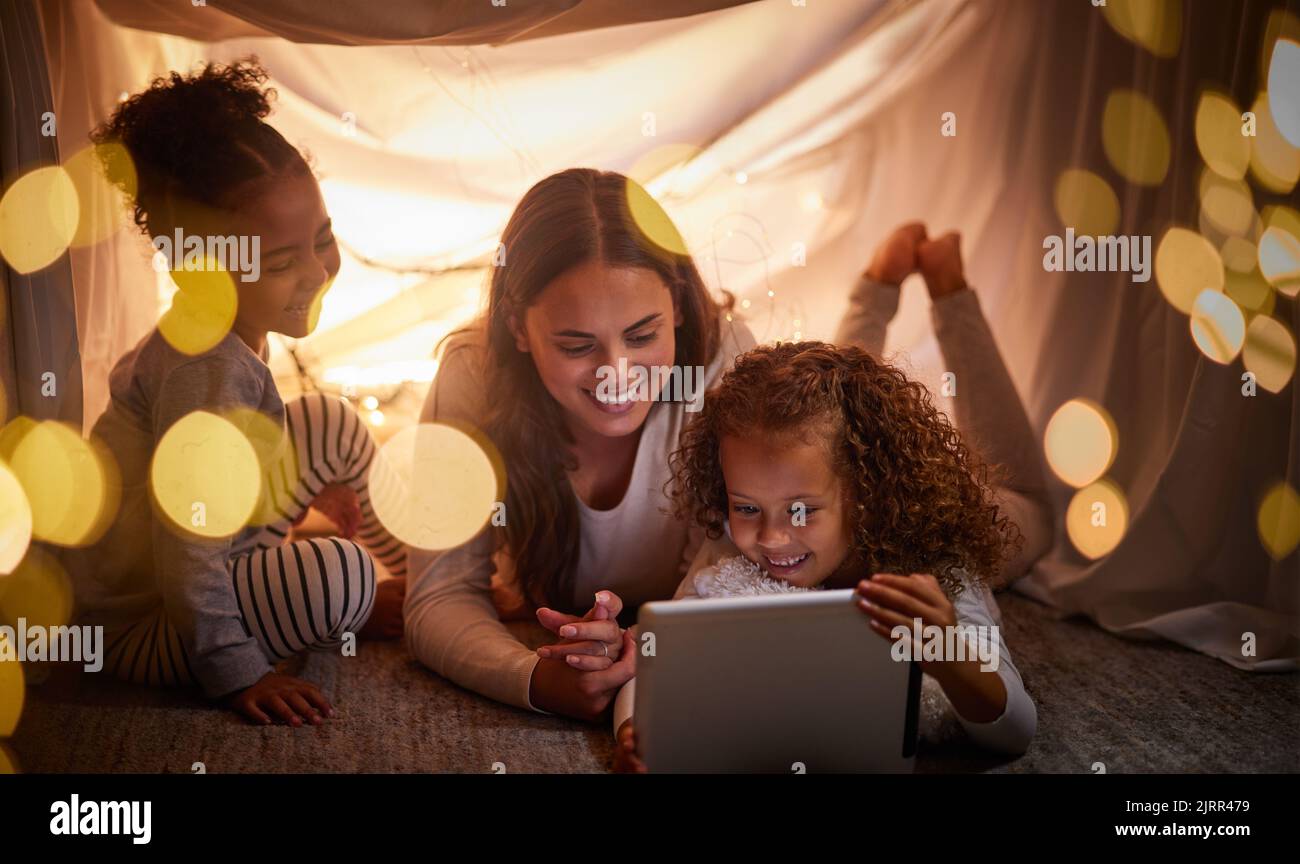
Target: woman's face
x,y
299,257
579,328
766,481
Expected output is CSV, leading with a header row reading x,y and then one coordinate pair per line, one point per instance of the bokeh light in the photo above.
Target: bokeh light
x,y
1227,206
433,486
1155,25
202,310
1218,327
1080,442
1279,249
1186,265
38,218
1274,161
72,485
1218,135
653,220
1135,138
276,456
15,521
1269,352
1250,291
1086,203
205,476
103,205
1096,519
1284,89
38,590
12,692
1278,520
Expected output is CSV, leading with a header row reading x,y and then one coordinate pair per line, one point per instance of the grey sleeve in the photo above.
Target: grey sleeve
x,y
192,572
993,422
872,305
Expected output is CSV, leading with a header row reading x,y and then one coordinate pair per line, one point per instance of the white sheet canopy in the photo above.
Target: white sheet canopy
x,y
812,129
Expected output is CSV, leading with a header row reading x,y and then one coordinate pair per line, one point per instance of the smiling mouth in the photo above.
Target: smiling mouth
x,y
298,311
611,404
786,564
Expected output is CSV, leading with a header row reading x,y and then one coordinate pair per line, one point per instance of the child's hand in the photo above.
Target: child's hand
x,y
284,697
562,688
895,259
340,504
385,621
625,759
940,263
890,601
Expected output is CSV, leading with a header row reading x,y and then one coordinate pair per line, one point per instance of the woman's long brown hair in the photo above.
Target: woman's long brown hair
x,y
564,221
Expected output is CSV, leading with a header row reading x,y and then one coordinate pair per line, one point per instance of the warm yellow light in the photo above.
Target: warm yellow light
x,y
71,484
1279,249
1218,327
1226,205
1080,442
38,218
1086,203
205,476
1218,136
1278,520
433,486
1284,89
38,590
276,456
1274,161
1249,291
103,204
653,220
1186,265
1135,138
1269,353
370,403
15,521
202,310
1097,518
12,692
1156,25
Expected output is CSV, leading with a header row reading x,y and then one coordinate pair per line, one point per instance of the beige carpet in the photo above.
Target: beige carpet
x,y
1136,707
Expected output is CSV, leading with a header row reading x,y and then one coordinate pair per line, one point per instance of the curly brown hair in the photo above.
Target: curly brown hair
x,y
919,499
194,140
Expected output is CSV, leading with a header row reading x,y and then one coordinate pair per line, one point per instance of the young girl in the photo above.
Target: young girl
x,y
179,608
827,469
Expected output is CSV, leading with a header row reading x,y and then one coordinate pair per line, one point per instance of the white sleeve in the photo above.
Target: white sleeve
x,y
1011,732
624,704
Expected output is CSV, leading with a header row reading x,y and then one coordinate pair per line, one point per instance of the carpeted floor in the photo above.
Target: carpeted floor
x,y
1133,706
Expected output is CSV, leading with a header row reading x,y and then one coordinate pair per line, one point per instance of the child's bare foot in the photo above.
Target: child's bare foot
x,y
895,258
385,621
939,261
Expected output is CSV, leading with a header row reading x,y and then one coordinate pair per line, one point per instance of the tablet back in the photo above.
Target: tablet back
x,y
785,682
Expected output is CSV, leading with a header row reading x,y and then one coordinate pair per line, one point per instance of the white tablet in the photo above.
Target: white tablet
x,y
788,682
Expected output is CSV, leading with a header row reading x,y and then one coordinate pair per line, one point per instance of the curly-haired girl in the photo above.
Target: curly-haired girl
x,y
827,469
182,608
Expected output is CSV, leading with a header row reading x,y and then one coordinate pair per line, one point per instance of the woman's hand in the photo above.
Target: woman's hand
x,y
625,759
895,259
283,697
561,688
591,643
939,261
385,621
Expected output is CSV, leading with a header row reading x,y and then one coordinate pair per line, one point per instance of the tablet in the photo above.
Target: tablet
x,y
789,683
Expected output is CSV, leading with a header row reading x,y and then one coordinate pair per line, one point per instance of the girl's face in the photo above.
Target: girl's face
x,y
579,328
766,479
299,257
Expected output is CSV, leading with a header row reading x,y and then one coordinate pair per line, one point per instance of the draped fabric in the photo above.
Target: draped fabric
x,y
785,140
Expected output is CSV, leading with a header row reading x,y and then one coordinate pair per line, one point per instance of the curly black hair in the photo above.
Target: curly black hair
x,y
194,139
919,499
